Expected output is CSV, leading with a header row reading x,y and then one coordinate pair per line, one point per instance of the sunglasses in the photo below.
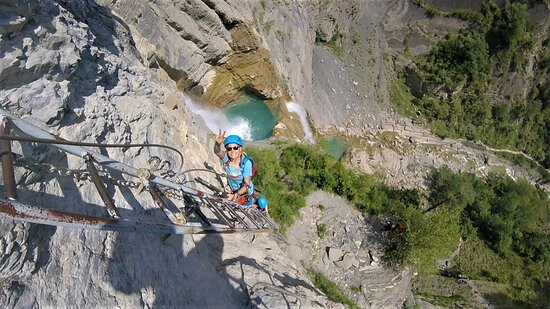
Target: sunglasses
x,y
232,148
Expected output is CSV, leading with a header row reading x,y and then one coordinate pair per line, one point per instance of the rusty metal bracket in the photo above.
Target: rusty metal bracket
x,y
17,211
111,208
7,161
192,206
176,218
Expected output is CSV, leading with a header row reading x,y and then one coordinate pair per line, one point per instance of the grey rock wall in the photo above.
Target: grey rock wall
x,y
189,38
184,37
72,68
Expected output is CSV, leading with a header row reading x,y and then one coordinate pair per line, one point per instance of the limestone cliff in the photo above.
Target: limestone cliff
x,y
73,68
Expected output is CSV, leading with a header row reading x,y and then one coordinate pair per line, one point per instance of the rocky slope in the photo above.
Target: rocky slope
x,y
73,69
337,240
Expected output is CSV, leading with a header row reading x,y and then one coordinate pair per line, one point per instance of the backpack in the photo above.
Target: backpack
x,y
245,159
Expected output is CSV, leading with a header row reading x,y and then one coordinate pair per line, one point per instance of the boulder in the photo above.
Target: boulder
x,y
334,254
347,261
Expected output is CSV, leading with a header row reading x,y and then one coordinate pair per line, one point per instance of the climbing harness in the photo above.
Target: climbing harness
x,y
201,212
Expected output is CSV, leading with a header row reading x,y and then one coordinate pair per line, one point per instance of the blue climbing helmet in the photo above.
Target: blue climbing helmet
x,y
233,139
262,202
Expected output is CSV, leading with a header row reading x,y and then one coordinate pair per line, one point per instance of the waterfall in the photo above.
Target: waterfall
x,y
299,109
216,119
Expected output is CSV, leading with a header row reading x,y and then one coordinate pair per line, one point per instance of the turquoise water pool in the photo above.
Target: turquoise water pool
x,y
334,146
256,114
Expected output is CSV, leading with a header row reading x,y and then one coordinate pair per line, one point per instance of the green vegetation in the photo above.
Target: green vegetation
x,y
432,11
459,84
428,237
335,43
506,219
284,203
507,276
355,289
401,98
443,301
444,291
321,230
526,163
300,169
406,305
331,290
505,227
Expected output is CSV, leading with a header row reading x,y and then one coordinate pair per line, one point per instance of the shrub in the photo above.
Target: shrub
x,y
459,58
427,238
508,31
331,290
284,205
401,98
321,230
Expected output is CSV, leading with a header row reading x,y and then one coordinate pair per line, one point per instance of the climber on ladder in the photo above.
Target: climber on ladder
x,y
240,169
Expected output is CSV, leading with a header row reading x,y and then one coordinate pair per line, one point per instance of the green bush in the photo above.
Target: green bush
x,y
478,262
459,59
300,169
502,221
401,98
506,216
321,230
284,205
427,235
508,32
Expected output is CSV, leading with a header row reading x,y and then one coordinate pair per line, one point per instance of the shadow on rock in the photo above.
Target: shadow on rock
x,y
176,272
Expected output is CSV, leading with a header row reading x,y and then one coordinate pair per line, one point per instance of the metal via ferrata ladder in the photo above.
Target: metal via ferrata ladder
x,y
230,217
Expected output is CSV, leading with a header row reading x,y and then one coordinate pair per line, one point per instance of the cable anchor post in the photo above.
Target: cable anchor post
x,y
144,175
10,188
100,186
176,218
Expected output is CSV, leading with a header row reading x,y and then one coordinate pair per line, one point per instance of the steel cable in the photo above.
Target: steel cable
x,y
65,142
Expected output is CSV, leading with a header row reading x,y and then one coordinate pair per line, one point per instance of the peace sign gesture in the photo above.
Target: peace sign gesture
x,y
220,137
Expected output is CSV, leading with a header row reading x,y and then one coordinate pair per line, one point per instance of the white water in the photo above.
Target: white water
x,y
216,120
299,109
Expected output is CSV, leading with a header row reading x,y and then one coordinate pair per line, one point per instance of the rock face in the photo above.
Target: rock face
x,y
224,49
212,49
71,67
406,153
184,37
19,255
248,69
